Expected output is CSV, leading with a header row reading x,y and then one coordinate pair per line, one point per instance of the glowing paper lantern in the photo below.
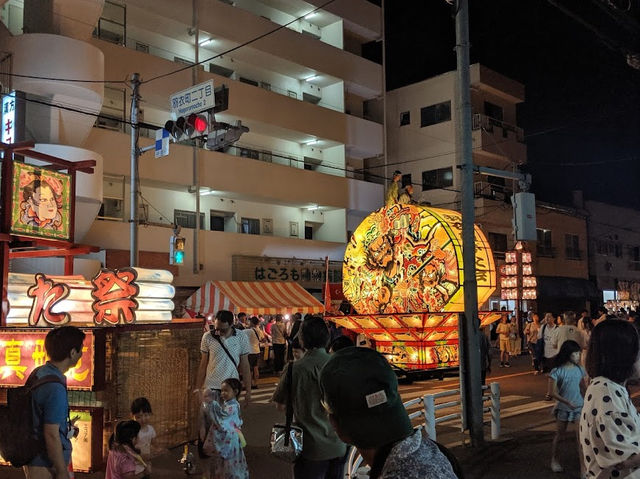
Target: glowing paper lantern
x,y
407,258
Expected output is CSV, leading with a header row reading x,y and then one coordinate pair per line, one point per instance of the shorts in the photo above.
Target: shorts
x,y
567,416
504,343
253,360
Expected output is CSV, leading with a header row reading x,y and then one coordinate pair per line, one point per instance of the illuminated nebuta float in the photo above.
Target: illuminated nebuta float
x,y
403,274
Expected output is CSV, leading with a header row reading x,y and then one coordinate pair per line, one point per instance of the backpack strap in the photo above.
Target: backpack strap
x,y
49,378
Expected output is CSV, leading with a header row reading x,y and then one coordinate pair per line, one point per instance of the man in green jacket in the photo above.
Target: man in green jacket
x,y
391,196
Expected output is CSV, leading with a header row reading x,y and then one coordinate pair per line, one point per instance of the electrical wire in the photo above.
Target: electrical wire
x,y
68,80
248,42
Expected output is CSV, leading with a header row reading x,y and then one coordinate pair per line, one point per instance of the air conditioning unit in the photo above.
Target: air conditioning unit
x,y
308,28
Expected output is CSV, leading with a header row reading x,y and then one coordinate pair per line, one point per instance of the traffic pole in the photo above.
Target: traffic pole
x,y
135,156
469,346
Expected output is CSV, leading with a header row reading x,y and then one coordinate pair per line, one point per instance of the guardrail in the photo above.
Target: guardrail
x,y
354,468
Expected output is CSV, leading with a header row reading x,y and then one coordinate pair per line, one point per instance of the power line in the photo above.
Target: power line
x,y
71,80
249,42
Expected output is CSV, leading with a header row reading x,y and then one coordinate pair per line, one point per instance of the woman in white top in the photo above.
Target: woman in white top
x,y
610,423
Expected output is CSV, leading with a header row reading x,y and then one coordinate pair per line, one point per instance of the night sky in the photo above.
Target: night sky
x,y
582,111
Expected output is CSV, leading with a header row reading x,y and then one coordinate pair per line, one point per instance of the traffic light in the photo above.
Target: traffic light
x,y
224,135
195,125
176,250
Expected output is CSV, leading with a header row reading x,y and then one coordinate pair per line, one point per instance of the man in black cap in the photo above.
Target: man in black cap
x,y
360,393
391,197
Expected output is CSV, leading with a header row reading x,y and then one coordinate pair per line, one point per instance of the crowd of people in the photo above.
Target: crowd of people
x,y
341,394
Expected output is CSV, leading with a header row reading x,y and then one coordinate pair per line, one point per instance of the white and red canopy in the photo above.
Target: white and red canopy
x,y
253,297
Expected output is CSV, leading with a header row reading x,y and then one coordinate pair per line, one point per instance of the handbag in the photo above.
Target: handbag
x,y
286,439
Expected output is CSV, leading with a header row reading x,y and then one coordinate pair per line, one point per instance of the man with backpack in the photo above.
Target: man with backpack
x,y
50,405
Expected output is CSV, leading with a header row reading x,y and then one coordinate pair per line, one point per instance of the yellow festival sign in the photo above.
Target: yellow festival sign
x,y
408,258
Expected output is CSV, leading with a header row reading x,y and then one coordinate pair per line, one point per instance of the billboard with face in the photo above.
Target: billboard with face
x,y
41,203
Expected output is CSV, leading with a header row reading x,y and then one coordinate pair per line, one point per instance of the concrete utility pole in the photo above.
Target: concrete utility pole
x,y
469,347
196,166
135,155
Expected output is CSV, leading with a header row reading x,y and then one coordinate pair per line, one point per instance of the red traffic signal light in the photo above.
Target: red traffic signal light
x,y
197,122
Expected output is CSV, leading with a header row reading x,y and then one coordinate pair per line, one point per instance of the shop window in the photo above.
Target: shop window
x,y
435,179
405,118
439,113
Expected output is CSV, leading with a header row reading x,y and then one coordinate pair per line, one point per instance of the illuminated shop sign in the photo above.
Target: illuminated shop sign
x,y
23,351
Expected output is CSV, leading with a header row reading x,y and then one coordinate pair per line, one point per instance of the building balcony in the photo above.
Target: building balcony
x,y
497,144
634,265
486,190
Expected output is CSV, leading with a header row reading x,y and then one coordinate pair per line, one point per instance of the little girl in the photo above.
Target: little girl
x,y
566,386
124,461
141,412
224,440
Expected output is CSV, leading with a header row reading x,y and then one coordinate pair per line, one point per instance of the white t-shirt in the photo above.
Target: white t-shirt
x,y
255,336
145,436
220,366
549,340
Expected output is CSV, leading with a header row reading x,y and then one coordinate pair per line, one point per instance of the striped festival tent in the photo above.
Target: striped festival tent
x,y
253,297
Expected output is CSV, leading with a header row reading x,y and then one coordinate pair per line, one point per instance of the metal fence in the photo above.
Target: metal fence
x,y
433,412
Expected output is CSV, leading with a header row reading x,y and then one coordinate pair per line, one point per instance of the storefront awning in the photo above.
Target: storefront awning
x,y
253,297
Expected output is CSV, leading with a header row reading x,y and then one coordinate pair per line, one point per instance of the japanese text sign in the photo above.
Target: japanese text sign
x,y
193,99
9,118
23,351
41,202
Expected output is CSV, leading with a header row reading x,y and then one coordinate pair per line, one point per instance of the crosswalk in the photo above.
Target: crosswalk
x,y
510,405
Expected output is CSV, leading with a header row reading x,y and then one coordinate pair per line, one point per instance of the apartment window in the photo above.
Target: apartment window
x,y
405,118
222,71
184,61
187,219
142,47
634,252
498,243
308,232
609,248
434,179
249,81
572,246
112,199
431,115
493,111
406,179
250,226
544,247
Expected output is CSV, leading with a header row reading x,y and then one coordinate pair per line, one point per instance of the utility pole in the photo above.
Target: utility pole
x,y
135,155
469,348
196,165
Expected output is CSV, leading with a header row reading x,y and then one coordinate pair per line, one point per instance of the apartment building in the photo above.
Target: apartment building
x,y
421,144
614,247
284,190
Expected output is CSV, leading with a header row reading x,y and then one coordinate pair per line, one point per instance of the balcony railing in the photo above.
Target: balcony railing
x,y
484,189
491,125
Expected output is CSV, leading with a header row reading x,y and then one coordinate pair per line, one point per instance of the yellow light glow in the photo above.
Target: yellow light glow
x,y
407,258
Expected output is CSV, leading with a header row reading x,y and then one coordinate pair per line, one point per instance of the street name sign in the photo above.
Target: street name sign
x,y
194,99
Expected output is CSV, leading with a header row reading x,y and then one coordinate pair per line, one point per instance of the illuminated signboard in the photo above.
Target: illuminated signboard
x,y
407,258
41,204
23,351
112,297
9,118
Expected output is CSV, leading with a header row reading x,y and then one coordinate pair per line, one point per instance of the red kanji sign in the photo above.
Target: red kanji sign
x,y
46,294
21,352
114,293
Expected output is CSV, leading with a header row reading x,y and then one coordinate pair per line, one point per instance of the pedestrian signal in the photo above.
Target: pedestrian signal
x,y
176,250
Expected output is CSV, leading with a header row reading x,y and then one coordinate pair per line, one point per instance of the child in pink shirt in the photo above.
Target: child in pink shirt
x,y
124,461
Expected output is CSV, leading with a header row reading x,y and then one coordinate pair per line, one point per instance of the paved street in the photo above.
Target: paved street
x,y
522,451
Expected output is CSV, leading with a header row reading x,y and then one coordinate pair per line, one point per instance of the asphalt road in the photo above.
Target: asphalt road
x,y
525,417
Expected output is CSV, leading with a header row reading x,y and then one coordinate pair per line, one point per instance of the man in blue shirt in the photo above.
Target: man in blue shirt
x,y
51,406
